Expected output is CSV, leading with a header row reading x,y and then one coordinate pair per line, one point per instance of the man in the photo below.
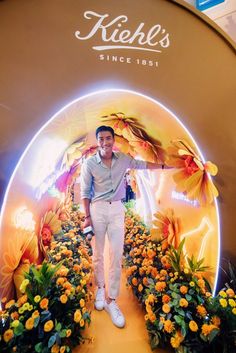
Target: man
x,y
102,189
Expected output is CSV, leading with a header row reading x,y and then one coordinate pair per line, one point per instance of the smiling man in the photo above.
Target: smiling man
x,y
102,189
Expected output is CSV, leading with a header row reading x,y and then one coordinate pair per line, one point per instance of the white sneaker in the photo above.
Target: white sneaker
x,y
116,315
100,299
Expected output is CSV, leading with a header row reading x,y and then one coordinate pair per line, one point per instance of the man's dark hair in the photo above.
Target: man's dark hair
x,y
105,128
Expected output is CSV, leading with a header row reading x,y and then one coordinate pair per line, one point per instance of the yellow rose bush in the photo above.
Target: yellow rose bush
x,y
180,311
54,308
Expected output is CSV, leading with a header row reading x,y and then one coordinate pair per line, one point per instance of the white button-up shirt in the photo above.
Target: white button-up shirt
x,y
99,182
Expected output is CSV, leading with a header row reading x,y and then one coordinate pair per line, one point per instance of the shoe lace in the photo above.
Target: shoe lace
x,y
115,308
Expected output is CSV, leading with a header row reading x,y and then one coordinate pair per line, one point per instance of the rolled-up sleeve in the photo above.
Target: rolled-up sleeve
x,y
85,181
137,164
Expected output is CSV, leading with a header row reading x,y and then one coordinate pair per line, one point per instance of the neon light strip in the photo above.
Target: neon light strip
x,y
113,91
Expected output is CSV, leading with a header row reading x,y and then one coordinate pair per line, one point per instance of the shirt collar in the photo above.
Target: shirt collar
x,y
98,158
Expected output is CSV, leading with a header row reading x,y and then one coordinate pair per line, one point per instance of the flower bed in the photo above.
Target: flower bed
x,y
53,310
180,312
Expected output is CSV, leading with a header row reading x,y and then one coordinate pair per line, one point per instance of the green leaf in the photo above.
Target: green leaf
x,y
62,334
38,347
213,334
19,329
178,319
36,321
188,297
58,326
51,341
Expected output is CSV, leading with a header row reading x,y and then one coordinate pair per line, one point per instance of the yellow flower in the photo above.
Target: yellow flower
x,y
166,308
8,334
193,326
77,316
24,285
186,270
44,304
15,323
192,284
55,348
21,310
222,294
168,326
183,302
223,303
37,298
81,323
26,306
63,298
68,333
82,303
232,303
29,325
234,311
48,326
62,349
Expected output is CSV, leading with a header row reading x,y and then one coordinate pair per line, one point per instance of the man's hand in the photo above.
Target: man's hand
x,y
88,222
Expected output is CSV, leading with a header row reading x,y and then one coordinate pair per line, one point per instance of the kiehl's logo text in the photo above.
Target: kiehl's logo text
x,y
116,35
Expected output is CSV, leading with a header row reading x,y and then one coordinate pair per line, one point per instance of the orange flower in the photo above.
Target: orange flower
x,y
145,281
29,325
77,316
55,348
8,335
201,310
82,303
168,326
165,299
22,300
206,329
192,179
152,317
177,339
68,333
10,303
81,323
160,286
60,281
15,315
193,326
166,308
63,299
134,281
62,349
35,314
183,302
168,226
230,292
48,326
165,262
44,304
183,289
216,321
151,298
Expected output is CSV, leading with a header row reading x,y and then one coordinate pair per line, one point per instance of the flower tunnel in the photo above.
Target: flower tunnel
x,y
179,201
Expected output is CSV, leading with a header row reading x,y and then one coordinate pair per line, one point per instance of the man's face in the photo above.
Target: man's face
x,y
105,142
